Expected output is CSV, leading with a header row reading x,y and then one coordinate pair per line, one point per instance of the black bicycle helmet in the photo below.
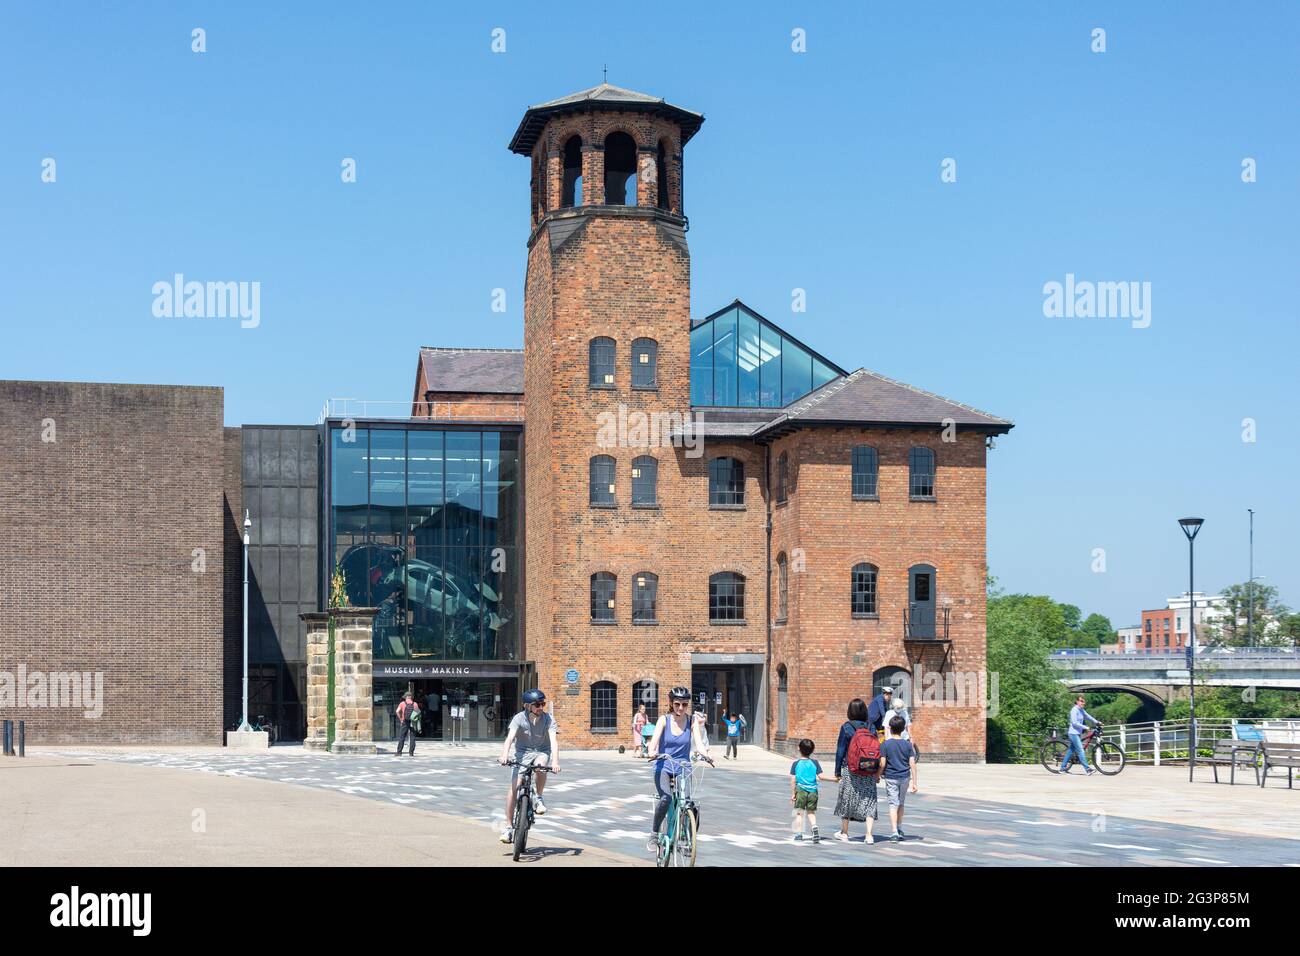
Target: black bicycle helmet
x,y
679,693
534,696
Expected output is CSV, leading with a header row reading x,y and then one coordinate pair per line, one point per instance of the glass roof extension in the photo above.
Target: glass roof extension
x,y
741,360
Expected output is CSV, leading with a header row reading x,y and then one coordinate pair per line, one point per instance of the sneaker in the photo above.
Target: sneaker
x,y
901,833
1090,772
652,844
538,807
508,835
896,838
817,837
797,838
842,837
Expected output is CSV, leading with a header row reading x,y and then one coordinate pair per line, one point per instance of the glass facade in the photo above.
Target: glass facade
x,y
739,359
425,525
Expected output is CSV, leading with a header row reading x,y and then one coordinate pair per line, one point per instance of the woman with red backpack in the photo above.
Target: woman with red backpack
x,y
857,768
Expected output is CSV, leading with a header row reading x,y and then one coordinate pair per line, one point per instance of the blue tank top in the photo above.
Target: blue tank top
x,y
677,746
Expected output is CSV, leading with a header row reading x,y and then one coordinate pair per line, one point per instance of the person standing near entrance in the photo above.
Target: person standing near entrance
x,y
408,716
735,727
880,705
639,720
533,733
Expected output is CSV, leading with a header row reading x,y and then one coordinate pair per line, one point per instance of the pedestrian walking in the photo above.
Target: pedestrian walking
x,y
857,796
804,774
735,727
639,720
408,716
898,762
880,705
899,709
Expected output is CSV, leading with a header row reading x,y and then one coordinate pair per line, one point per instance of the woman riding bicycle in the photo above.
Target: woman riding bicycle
x,y
676,735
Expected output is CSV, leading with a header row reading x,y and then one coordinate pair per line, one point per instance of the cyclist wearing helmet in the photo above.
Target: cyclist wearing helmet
x,y
676,735
532,733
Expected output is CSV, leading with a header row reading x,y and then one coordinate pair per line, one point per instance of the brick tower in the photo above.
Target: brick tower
x,y
606,335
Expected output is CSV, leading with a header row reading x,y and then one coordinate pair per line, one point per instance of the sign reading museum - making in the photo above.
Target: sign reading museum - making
x,y
461,670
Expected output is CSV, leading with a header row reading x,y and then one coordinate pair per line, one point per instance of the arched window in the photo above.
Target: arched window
x,y
600,488
726,482
645,481
603,586
782,587
866,472
645,363
726,596
894,677
920,466
783,478
645,597
782,701
864,590
571,191
646,692
661,175
600,362
620,170
604,707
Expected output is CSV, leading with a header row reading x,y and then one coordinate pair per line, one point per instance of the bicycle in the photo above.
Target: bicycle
x,y
524,814
677,841
1107,757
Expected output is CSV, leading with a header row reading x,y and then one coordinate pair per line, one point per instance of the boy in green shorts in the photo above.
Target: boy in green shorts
x,y
804,774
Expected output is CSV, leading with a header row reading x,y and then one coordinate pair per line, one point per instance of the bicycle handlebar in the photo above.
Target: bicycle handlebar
x,y
540,768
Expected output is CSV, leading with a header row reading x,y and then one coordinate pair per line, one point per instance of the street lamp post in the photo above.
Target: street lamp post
x,y
1250,585
1191,527
243,725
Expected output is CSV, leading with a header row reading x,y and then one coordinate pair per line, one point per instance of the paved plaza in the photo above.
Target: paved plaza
x,y
445,806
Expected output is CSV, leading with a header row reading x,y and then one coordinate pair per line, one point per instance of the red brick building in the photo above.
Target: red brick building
x,y
711,502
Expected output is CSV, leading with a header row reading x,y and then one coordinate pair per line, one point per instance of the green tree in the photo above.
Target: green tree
x,y
1022,631
1098,627
1270,618
1071,614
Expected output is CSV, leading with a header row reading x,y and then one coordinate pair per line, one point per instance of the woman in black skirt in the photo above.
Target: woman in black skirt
x,y
857,799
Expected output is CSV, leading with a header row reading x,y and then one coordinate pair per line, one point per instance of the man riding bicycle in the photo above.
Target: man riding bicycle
x,y
532,732
1078,716
676,736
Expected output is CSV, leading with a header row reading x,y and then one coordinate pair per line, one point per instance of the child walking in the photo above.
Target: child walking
x,y
804,774
898,758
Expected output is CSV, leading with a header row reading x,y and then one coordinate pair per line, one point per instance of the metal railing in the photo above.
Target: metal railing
x,y
362,408
1202,653
924,626
1159,742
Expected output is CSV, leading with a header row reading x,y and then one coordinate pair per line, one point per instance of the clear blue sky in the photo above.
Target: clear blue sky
x,y
817,170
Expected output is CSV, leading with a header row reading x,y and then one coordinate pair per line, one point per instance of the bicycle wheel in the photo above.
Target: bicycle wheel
x,y
684,845
1108,758
522,816
1053,753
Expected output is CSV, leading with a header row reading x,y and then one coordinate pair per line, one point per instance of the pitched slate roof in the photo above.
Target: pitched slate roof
x,y
869,398
492,371
603,96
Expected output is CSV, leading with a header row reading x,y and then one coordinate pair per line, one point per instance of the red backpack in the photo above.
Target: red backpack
x,y
863,757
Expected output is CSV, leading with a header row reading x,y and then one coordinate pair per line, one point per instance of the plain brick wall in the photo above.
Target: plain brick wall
x,y
99,529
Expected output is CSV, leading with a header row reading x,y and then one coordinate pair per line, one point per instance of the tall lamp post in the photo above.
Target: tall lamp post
x,y
243,725
1191,527
1250,585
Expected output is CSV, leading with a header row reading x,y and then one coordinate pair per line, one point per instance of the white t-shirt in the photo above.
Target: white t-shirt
x,y
892,713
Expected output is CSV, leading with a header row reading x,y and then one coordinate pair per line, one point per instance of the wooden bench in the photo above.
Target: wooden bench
x,y
1232,752
1279,755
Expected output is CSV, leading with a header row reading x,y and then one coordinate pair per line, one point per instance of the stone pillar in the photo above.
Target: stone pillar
x,y
353,679
318,670
354,727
